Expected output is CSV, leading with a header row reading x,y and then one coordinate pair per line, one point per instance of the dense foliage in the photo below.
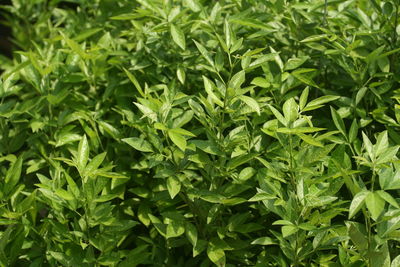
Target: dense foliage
x,y
200,133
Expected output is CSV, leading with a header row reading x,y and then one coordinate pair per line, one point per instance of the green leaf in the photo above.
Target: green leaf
x,y
237,80
294,63
261,82
338,122
304,98
382,143
209,86
83,154
139,144
13,176
175,228
265,241
133,79
64,194
310,140
173,186
299,130
246,173
252,103
178,36
388,155
288,230
180,73
191,233
368,146
375,204
353,132
388,198
95,163
320,101
278,115
357,203
204,53
290,110
177,139
216,254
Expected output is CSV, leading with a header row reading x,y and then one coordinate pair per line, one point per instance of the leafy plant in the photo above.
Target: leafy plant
x,y
200,133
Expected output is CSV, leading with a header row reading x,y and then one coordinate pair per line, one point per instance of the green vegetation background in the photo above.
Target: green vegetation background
x,y
200,133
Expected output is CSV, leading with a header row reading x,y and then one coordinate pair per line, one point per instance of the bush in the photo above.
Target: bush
x,y
200,133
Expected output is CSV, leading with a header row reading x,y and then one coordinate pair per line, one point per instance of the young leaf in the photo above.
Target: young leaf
x,y
139,144
304,98
216,254
133,79
177,139
178,36
83,154
173,186
353,132
290,110
204,53
338,122
357,203
252,103
237,80
375,204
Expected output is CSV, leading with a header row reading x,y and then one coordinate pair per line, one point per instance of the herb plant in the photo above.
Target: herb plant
x,y
200,133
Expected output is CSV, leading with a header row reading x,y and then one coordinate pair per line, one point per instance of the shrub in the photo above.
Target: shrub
x,y
200,133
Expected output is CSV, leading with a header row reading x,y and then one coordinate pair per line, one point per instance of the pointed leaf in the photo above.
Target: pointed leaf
x,y
178,36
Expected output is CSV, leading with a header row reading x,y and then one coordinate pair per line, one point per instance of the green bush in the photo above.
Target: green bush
x,y
200,133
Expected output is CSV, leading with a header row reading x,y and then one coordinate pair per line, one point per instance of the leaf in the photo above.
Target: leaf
x,y
173,185
216,254
288,230
246,173
178,36
382,143
261,82
95,163
278,115
237,80
191,233
388,155
175,228
133,79
252,103
180,73
310,140
368,146
375,204
388,198
83,154
338,122
294,63
357,203
304,98
75,47
209,86
139,144
265,241
178,140
261,196
299,130
320,101
290,110
64,194
353,132
13,176
204,53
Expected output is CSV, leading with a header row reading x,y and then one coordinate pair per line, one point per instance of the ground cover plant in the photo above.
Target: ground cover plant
x,y
200,133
